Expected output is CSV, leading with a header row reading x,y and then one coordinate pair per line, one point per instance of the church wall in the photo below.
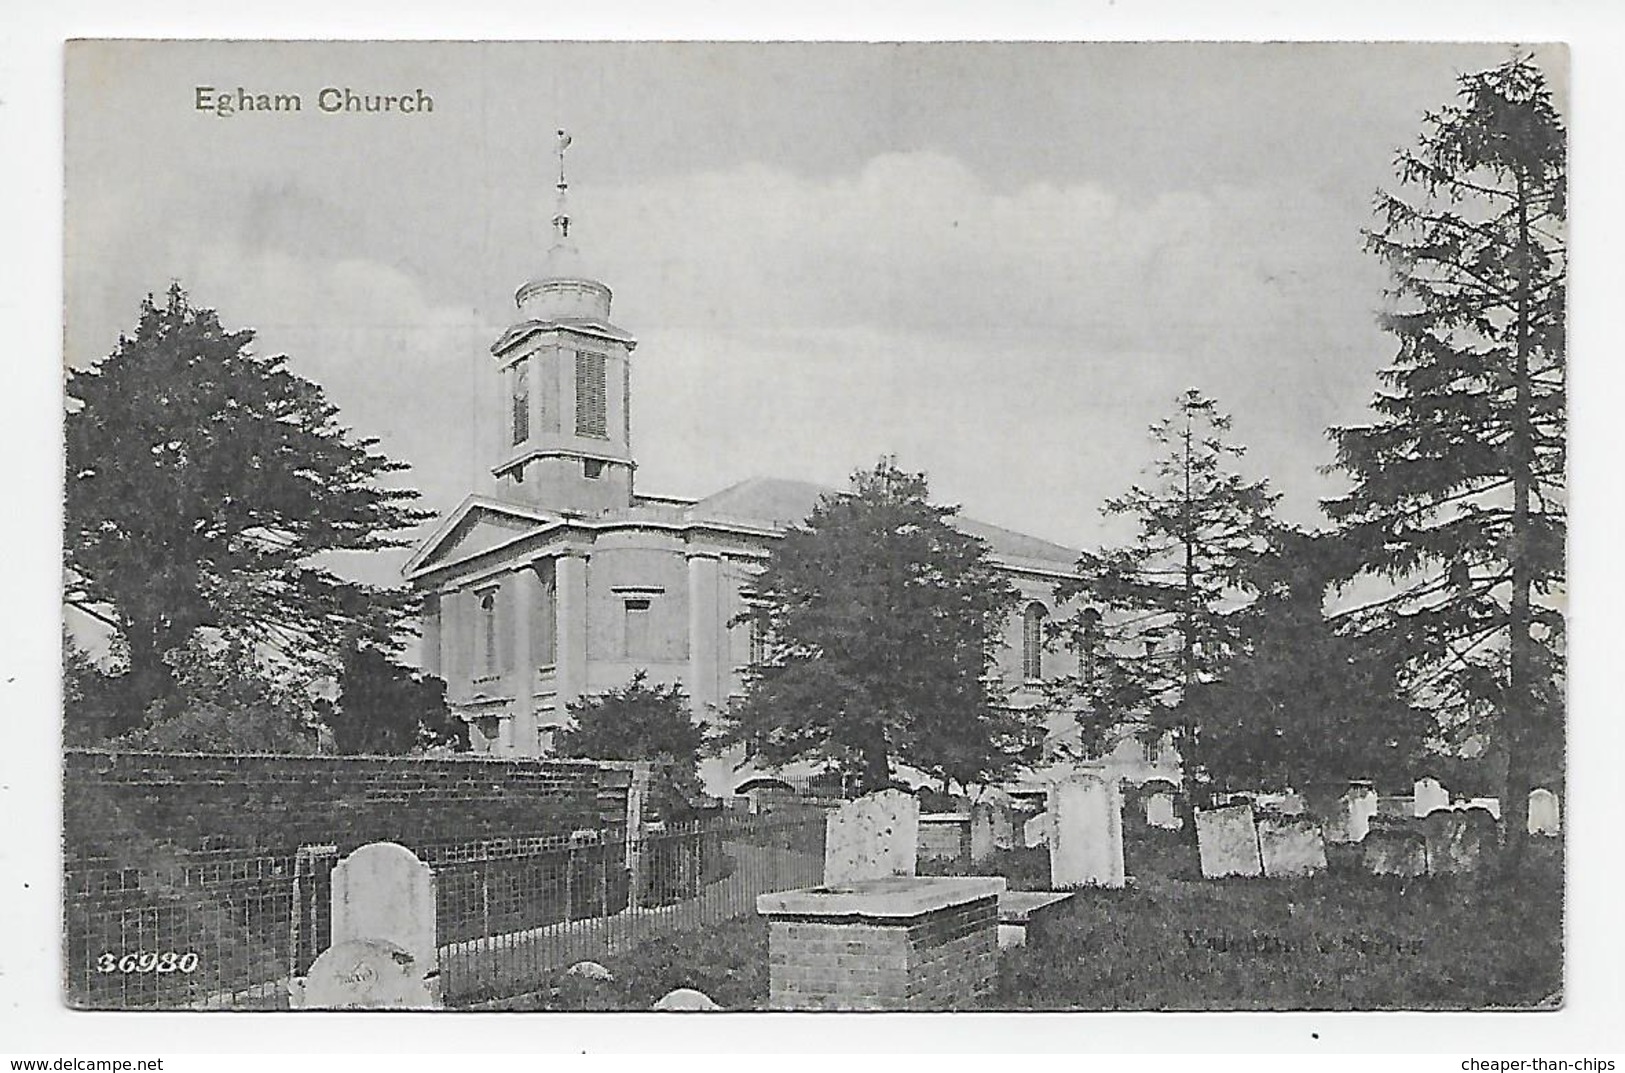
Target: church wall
x,y
630,567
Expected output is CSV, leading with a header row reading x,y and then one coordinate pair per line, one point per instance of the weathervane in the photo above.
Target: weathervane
x,y
561,218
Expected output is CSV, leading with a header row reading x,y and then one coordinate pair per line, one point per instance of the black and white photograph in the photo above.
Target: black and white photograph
x,y
760,527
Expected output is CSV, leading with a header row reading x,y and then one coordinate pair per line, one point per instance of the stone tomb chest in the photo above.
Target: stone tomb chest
x,y
902,943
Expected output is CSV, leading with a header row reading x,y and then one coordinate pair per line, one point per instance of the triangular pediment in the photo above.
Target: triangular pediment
x,y
475,528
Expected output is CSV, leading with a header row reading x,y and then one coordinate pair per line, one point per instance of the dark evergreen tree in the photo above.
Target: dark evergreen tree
x,y
387,709
1458,494
1303,705
1159,614
202,480
882,625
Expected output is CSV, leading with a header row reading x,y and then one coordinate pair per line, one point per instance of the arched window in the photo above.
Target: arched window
x,y
521,402
1032,642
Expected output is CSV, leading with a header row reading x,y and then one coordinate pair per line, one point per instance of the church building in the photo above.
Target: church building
x,y
568,579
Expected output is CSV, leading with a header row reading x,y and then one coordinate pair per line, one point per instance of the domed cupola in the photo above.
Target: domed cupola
x,y
566,376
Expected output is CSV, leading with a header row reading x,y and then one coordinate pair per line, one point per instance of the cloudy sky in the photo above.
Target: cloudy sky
x,y
999,261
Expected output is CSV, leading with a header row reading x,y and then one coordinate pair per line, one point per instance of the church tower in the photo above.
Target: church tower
x,y
565,376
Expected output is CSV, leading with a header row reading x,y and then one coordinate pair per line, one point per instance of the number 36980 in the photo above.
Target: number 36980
x,y
148,961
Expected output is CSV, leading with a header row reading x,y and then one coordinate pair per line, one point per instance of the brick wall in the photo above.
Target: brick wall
x,y
270,805
941,960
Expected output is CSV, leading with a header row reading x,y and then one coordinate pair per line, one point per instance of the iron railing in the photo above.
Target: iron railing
x,y
224,931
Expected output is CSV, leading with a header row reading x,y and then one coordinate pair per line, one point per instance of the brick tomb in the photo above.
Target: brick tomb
x,y
900,943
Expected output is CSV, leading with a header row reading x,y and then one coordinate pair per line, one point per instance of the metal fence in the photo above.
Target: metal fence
x,y
223,931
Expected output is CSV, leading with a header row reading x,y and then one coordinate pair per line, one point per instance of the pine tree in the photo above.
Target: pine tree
x,y
882,625
202,479
1304,705
1457,491
1158,614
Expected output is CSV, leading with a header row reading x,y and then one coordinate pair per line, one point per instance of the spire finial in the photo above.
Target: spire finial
x,y
561,217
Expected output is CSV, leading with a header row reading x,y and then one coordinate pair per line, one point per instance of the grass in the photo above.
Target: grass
x,y
1176,942
1338,941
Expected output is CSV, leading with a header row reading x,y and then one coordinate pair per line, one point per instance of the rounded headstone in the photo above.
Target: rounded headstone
x,y
589,970
367,974
685,999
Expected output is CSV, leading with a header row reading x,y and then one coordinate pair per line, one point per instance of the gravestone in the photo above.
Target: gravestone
x,y
382,893
1290,847
1035,832
1396,806
1430,796
1543,812
1393,850
1159,811
1353,815
982,840
1227,842
1459,841
873,837
367,974
685,999
1002,810
1086,833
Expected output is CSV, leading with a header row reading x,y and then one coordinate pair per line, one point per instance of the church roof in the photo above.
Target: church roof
x,y
780,502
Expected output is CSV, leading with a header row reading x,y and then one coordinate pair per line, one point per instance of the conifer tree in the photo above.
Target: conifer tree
x,y
1457,494
202,481
1157,615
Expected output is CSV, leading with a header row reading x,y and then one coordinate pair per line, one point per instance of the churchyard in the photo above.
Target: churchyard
x,y
1098,903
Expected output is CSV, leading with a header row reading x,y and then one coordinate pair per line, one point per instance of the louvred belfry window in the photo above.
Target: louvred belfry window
x,y
592,412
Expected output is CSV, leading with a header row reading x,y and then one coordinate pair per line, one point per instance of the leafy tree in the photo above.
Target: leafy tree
x,y
1158,613
1458,494
386,709
882,623
638,721
201,481
1304,704
223,701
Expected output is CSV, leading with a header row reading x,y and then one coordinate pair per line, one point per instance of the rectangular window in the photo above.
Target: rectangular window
x,y
592,413
637,629
521,402
592,468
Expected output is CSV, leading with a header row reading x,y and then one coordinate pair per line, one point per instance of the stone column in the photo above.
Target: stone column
x,y
704,633
523,584
570,599
429,657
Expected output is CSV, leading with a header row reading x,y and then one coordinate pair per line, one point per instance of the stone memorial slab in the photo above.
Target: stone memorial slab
x,y
1394,851
1159,811
1227,842
1353,815
1003,810
1291,847
383,892
367,974
982,840
1459,841
873,837
1543,812
1086,833
685,1000
1035,832
1430,796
